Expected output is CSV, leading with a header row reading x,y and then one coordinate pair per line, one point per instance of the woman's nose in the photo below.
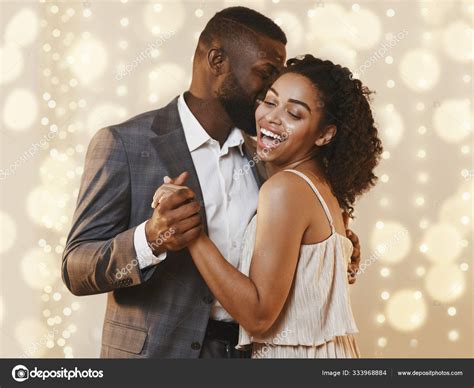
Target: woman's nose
x,y
274,117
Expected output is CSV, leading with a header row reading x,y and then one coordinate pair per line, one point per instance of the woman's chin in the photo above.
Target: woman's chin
x,y
263,154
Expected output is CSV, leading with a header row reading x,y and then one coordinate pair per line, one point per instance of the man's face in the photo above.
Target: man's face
x,y
252,72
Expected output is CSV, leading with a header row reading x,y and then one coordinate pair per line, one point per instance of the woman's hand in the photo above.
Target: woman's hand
x,y
170,186
176,219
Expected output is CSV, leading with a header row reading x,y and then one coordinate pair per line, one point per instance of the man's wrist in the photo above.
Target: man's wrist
x,y
154,245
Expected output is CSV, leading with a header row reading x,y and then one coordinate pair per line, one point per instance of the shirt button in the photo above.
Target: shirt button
x,y
195,346
234,244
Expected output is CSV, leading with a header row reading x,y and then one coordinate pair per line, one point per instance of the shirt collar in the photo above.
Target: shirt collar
x,y
196,135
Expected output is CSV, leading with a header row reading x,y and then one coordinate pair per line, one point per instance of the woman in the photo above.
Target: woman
x,y
290,296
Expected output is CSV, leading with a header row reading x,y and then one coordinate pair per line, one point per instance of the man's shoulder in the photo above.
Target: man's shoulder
x,y
142,124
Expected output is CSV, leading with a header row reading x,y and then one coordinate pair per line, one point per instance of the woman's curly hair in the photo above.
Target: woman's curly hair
x,y
351,156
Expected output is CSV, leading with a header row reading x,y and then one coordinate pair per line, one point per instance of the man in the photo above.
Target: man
x,y
158,305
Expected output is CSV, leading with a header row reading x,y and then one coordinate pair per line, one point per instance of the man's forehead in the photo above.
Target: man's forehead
x,y
271,51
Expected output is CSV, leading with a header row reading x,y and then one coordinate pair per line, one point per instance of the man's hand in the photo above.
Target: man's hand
x,y
176,220
353,267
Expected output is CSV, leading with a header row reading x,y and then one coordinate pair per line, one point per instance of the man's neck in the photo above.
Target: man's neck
x,y
211,115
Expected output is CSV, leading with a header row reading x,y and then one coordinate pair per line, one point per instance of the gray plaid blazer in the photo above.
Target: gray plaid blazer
x,y
160,312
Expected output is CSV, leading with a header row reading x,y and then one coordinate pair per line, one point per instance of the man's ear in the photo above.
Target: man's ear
x,y
217,61
329,133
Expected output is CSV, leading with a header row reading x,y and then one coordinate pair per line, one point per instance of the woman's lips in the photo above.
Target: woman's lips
x,y
267,142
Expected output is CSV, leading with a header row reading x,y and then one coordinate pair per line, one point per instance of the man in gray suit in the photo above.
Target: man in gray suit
x,y
158,305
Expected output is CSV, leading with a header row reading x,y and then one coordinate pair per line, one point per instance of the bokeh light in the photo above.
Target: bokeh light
x,y
20,109
445,282
435,240
39,268
406,310
8,231
390,242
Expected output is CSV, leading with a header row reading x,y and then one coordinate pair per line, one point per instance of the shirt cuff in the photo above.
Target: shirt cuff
x,y
145,255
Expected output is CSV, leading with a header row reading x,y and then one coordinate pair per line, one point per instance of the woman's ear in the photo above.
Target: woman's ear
x,y
329,133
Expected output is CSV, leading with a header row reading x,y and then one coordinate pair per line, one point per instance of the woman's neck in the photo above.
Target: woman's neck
x,y
309,163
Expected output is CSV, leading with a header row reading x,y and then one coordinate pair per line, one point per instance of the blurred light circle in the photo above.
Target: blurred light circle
x,y
20,109
292,26
457,41
406,310
443,243
390,124
364,30
1,311
167,81
58,170
258,5
39,268
87,60
339,53
103,115
452,120
32,336
435,12
390,243
323,21
467,8
164,17
11,63
419,69
454,209
50,206
22,29
8,232
445,282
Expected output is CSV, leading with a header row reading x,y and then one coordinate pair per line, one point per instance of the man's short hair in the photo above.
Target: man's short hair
x,y
236,25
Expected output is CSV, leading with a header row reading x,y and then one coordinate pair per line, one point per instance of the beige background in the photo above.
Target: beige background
x,y
69,68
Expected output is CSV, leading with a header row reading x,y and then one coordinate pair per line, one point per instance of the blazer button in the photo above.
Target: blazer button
x,y
208,299
195,346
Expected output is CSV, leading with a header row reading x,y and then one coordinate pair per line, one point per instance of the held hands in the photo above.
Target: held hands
x,y
353,267
176,220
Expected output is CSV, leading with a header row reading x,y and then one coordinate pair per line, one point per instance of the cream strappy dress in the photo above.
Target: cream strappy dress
x,y
316,320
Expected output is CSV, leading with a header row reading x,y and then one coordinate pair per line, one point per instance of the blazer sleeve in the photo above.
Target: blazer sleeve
x,y
100,255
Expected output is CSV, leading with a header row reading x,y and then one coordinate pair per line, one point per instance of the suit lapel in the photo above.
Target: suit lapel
x,y
173,152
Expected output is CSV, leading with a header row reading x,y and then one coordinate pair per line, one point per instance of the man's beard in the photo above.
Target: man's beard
x,y
240,107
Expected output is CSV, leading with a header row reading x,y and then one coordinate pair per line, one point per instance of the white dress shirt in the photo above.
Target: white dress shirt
x,y
230,199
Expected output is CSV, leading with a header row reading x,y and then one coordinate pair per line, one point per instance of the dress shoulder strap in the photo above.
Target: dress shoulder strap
x,y
318,194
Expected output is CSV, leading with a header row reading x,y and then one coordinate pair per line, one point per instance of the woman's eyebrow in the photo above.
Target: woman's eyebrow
x,y
300,103
292,100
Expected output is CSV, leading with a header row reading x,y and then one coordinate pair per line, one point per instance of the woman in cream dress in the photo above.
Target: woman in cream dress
x,y
316,134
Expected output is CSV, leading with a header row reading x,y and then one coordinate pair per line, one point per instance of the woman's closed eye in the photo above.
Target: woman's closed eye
x,y
294,115
269,102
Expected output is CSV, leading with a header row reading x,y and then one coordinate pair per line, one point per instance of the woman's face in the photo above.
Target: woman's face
x,y
288,120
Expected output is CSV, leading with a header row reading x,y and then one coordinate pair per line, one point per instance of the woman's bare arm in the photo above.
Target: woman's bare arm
x,y
256,301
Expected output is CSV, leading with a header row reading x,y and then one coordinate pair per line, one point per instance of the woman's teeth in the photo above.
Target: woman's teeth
x,y
271,134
